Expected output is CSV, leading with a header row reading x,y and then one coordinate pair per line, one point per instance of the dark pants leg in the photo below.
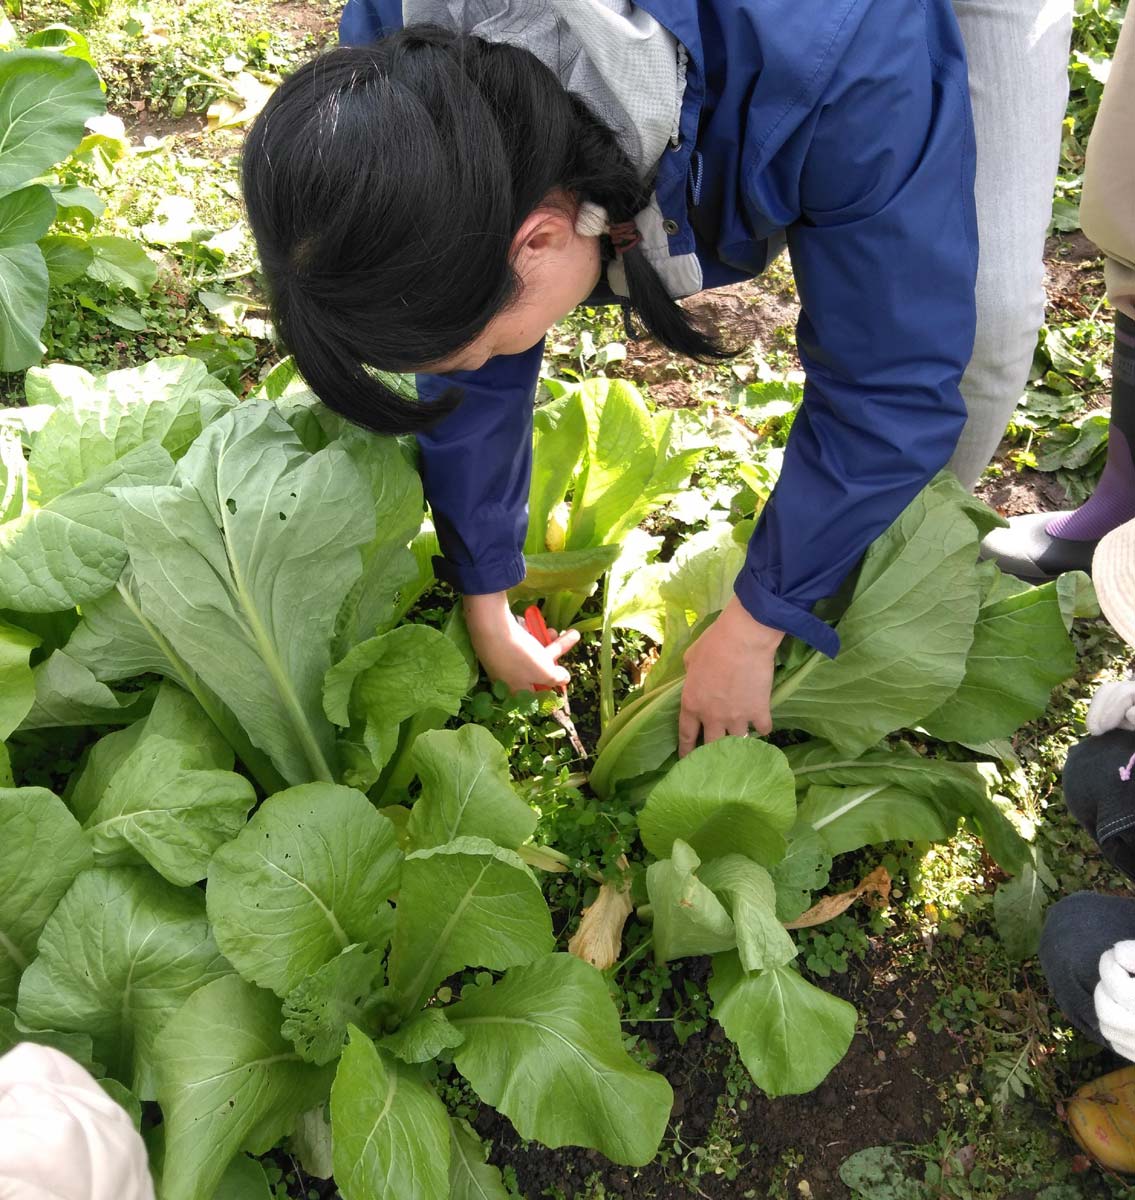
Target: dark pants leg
x,y
1077,930
1100,799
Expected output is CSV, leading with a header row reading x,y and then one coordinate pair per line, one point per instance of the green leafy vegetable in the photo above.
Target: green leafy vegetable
x,y
466,791
257,621
468,903
33,882
392,1139
227,1081
118,956
544,1047
789,1033
734,795
307,877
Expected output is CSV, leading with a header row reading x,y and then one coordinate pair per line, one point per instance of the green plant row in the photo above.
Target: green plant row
x,y
257,902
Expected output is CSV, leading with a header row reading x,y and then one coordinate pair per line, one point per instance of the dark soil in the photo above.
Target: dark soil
x,y
883,1093
308,20
1073,276
758,314
142,122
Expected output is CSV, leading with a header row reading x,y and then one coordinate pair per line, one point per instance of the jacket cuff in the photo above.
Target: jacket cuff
x,y
777,613
479,579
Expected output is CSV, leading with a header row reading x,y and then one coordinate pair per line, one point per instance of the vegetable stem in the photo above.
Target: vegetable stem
x,y
606,664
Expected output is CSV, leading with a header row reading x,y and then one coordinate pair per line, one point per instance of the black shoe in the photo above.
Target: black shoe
x,y
1024,549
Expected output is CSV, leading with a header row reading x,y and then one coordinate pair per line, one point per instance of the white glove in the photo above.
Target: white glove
x,y
1115,998
1112,707
61,1136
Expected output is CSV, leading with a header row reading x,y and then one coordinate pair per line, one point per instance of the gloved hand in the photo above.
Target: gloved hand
x,y
61,1136
1115,998
1112,707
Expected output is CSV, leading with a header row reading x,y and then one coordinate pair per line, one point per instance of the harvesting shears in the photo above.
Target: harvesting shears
x,y
536,625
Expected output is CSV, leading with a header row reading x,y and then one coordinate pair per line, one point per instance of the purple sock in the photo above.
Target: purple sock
x,y
1113,501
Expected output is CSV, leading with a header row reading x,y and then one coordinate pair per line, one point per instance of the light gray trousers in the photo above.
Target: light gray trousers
x,y
1018,58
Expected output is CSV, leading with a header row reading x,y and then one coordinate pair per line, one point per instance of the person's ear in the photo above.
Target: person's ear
x,y
547,232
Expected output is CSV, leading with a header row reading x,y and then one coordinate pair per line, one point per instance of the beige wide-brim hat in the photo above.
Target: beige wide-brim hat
x,y
1113,573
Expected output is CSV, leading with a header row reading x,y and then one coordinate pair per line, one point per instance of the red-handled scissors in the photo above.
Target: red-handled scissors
x,y
536,625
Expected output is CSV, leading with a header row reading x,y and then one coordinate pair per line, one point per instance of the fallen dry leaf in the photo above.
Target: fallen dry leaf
x,y
599,939
875,890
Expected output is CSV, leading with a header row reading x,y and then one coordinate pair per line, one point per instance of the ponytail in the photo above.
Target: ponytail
x,y
384,185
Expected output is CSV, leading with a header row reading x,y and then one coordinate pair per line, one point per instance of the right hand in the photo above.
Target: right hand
x,y
507,650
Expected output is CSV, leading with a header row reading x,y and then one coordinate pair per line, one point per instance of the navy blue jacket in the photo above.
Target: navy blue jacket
x,y
844,125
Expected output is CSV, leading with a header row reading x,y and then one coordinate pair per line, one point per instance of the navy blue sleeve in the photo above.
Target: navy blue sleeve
x,y
364,21
885,259
476,467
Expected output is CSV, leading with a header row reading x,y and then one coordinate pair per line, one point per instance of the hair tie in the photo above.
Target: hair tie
x,y
591,220
624,236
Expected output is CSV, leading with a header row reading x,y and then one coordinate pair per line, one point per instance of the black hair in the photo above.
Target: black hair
x,y
384,185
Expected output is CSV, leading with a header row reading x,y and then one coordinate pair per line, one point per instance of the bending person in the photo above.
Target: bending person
x,y
433,199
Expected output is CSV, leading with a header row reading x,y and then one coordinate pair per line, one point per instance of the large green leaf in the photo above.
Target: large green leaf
x,y
749,893
17,683
470,1176
123,263
789,1033
869,815
688,918
631,596
383,681
565,571
1021,651
116,640
118,956
735,795
544,1047
307,877
466,791
897,794
558,438
227,1081
242,566
45,101
67,256
803,870
318,1010
629,465
66,693
13,476
26,215
24,288
1018,907
702,573
174,800
904,635
390,578
98,420
71,551
643,735
391,1130
465,904
44,849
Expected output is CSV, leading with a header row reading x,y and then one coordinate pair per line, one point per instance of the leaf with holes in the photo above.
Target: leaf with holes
x,y
306,878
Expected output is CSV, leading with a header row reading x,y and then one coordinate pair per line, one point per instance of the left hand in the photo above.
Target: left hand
x,y
1115,998
728,679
